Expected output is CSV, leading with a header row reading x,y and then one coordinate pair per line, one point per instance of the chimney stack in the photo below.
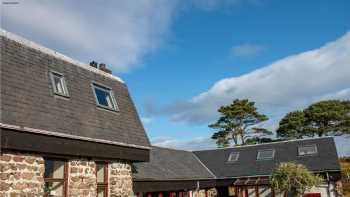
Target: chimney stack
x,y
104,68
93,64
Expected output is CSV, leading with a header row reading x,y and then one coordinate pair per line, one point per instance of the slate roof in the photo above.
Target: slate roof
x,y
247,165
170,164
28,102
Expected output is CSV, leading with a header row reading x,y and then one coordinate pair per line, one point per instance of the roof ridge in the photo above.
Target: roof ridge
x,y
253,145
39,47
168,148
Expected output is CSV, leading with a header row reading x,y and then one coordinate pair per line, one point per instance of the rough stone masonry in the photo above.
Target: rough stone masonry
x,y
22,175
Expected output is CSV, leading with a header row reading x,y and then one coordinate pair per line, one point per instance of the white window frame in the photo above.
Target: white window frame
x,y
111,95
233,157
307,145
258,157
63,83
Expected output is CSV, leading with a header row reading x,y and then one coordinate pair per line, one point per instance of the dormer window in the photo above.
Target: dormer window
x,y
266,154
59,84
307,150
233,157
104,97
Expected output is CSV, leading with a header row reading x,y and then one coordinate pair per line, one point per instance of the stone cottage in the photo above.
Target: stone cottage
x,y
66,128
238,172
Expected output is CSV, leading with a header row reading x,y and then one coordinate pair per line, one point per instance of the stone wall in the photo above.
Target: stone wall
x,y
82,178
120,179
21,175
212,192
199,193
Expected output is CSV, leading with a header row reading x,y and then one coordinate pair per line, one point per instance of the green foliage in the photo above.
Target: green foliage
x,y
293,178
234,124
292,125
331,117
345,167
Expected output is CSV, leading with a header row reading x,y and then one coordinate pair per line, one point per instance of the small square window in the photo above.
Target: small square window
x,y
233,157
307,150
104,97
59,84
266,154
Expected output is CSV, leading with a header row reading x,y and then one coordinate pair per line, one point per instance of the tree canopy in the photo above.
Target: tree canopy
x,y
236,122
292,125
293,178
330,117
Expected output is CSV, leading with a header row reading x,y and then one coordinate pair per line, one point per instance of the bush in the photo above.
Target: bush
x,y
294,178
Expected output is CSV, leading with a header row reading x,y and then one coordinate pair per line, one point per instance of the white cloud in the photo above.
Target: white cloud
x,y
203,143
247,50
190,145
287,84
146,120
210,5
118,33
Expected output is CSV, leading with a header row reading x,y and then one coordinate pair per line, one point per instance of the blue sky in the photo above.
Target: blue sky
x,y
182,59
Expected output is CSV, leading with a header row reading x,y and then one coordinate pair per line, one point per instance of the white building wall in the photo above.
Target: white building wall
x,y
324,190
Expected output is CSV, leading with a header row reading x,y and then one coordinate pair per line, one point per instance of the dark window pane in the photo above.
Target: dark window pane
x,y
104,97
54,169
101,97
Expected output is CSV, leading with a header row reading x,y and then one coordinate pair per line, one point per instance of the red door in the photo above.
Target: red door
x,y
312,195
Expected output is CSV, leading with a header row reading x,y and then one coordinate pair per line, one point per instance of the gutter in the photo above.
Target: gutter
x,y
63,135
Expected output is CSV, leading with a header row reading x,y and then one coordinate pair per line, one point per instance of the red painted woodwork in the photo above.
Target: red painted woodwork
x,y
188,194
149,195
273,193
160,194
180,194
312,195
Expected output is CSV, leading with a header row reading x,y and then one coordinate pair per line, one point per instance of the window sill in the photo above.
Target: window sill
x,y
61,95
107,109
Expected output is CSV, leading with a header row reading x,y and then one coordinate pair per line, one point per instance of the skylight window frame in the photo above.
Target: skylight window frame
x,y
309,154
63,83
229,159
110,93
258,157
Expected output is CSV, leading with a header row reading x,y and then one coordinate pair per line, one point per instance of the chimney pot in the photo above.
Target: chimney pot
x,y
93,64
104,68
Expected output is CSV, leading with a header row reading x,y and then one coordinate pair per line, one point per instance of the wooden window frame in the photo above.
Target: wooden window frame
x,y
105,184
64,179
